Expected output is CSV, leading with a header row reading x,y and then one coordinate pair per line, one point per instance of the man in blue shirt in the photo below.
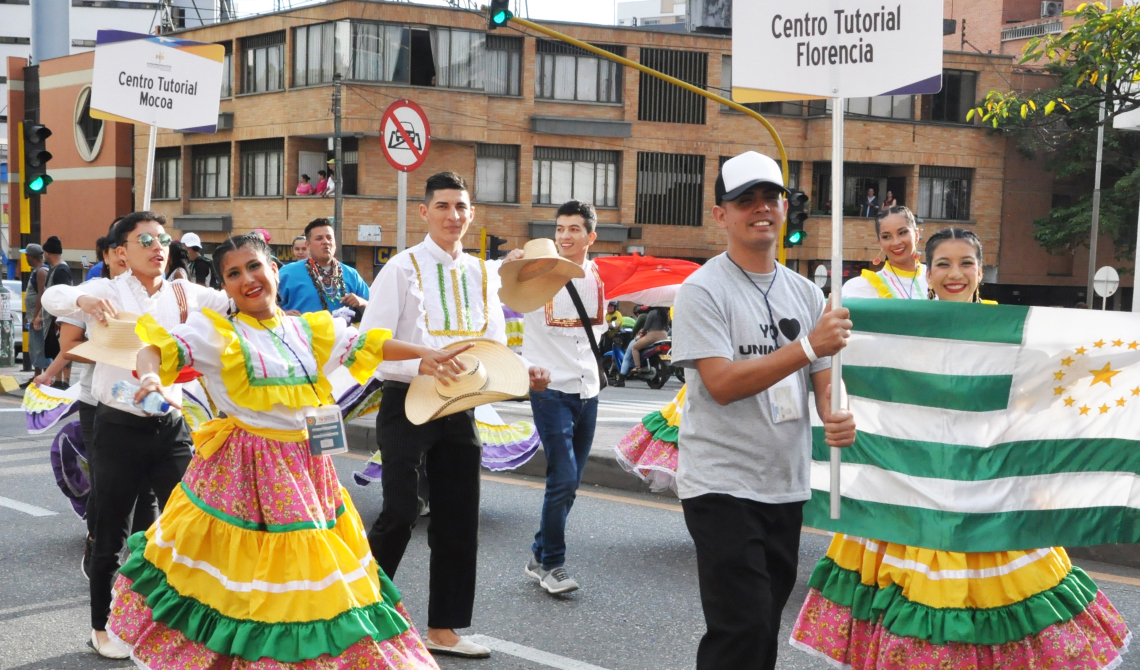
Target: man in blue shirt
x,y
321,282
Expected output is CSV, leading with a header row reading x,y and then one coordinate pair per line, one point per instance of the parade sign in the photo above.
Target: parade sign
x,y
405,135
798,49
158,81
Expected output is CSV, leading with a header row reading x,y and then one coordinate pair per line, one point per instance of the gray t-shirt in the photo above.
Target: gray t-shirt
x,y
737,449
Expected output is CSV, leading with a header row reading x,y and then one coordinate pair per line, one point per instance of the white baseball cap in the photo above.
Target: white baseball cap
x,y
191,240
740,173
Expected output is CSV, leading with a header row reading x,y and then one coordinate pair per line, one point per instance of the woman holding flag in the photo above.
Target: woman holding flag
x,y
879,605
259,560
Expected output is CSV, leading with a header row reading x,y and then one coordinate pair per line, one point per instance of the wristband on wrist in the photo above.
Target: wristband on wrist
x,y
148,375
808,350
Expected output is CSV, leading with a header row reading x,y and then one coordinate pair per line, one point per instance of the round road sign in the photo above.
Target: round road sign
x,y
405,135
821,275
1106,281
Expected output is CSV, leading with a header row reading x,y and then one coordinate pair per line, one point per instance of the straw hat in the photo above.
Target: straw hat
x,y
533,280
114,344
493,373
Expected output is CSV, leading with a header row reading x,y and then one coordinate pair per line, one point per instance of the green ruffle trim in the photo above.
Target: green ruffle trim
x,y
997,625
251,640
659,428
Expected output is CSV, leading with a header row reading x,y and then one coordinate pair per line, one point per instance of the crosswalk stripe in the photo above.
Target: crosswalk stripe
x,y
25,507
23,456
25,470
531,654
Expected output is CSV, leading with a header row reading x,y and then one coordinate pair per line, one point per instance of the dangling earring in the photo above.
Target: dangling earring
x,y
978,294
916,255
930,295
878,260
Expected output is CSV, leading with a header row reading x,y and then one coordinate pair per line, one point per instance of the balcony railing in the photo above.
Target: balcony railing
x,y
1035,30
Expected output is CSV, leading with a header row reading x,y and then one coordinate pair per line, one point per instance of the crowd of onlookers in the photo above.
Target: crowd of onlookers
x,y
325,186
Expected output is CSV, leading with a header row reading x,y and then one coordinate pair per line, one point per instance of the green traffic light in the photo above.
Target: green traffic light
x,y
795,237
40,183
501,17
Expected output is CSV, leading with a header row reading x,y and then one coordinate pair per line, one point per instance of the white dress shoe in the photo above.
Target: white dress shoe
x,y
111,649
464,648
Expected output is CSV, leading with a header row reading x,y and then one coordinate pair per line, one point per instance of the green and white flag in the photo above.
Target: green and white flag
x,y
987,427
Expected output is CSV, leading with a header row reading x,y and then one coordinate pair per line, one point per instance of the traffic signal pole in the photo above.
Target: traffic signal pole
x,y
509,18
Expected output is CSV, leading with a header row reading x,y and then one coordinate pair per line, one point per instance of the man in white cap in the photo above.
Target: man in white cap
x,y
434,294
753,332
201,269
135,448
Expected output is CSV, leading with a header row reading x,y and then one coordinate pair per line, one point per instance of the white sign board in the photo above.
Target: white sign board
x,y
1106,281
796,49
369,232
157,81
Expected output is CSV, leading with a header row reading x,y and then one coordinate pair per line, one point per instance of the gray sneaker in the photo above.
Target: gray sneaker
x,y
533,569
558,581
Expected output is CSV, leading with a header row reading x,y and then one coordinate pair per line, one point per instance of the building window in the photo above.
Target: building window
x,y
858,178
670,189
565,72
380,52
958,94
261,167
211,171
458,57
882,106
662,101
794,168
167,174
575,174
503,71
944,192
88,131
263,63
793,108
228,71
350,150
497,173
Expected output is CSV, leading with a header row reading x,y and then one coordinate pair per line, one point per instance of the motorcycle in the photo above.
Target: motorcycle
x,y
656,361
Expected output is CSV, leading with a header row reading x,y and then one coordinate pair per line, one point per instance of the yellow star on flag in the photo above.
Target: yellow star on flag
x,y
1118,343
1098,344
1058,375
1103,375
1084,410
1080,351
1058,390
1069,402
1133,345
1120,402
1136,391
1066,361
1104,409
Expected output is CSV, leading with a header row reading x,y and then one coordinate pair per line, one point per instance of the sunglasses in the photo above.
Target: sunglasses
x,y
146,239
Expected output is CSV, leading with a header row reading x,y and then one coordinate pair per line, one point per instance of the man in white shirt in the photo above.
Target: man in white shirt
x,y
136,450
566,412
434,294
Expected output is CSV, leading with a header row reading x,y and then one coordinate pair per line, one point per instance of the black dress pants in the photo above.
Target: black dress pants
x,y
146,509
452,451
747,554
135,452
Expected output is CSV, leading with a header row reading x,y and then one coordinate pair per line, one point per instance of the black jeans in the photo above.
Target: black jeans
x,y
134,452
146,509
747,554
453,451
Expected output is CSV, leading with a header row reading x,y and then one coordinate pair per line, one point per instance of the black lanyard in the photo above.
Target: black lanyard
x,y
771,318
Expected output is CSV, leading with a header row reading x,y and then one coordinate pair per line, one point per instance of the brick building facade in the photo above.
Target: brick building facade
x,y
545,122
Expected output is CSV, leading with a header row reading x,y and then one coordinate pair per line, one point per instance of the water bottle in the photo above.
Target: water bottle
x,y
124,392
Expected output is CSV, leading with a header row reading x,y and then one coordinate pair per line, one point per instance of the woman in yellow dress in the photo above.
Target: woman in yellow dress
x,y
878,605
902,276
259,559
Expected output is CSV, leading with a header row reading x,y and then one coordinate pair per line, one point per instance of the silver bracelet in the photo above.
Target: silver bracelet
x,y
808,350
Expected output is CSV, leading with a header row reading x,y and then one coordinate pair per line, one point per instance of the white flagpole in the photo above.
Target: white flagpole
x,y
149,168
836,278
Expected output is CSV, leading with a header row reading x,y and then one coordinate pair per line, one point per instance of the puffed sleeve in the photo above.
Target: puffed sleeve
x,y
194,343
359,351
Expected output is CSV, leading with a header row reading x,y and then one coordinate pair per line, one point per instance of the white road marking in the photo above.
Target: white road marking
x,y
28,444
25,470
531,654
11,409
39,606
23,457
25,507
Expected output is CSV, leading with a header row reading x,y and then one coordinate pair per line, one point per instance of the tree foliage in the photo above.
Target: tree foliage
x,y
1096,61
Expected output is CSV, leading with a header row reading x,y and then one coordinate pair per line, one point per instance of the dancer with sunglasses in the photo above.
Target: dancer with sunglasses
x,y
136,450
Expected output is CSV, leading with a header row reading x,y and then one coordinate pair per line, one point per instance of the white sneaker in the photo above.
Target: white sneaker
x,y
465,648
533,569
111,649
558,581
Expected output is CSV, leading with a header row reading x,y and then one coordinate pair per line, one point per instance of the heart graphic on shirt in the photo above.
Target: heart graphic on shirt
x,y
790,328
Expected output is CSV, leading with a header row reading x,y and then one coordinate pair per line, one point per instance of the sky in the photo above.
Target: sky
x,y
579,11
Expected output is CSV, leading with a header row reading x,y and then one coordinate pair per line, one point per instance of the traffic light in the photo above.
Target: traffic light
x,y
797,215
36,157
493,251
498,14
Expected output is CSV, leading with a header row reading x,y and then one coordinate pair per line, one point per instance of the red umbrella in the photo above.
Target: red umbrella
x,y
625,275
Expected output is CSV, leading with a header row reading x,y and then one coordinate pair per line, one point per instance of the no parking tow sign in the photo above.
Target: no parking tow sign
x,y
405,135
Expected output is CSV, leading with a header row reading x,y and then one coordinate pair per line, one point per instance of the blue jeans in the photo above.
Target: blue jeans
x,y
627,360
565,422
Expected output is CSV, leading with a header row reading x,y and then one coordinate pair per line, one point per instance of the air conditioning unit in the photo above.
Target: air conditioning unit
x,y
225,120
1052,8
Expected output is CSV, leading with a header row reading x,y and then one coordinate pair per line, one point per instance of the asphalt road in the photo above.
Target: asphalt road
x,y
638,608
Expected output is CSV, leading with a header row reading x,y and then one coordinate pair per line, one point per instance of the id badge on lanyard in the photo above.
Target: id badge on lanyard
x,y
785,399
326,430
